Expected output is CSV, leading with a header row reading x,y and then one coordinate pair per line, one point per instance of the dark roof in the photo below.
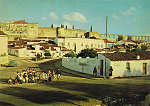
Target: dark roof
x,y
122,56
2,33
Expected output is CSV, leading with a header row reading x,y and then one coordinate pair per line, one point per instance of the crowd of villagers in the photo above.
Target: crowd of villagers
x,y
30,76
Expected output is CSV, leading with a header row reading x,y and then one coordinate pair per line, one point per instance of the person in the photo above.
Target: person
x,y
29,77
49,76
16,81
44,77
24,77
58,73
20,79
95,72
35,76
10,81
53,74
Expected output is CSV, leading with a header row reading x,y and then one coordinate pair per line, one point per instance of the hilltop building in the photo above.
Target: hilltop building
x,y
60,32
78,44
47,32
19,29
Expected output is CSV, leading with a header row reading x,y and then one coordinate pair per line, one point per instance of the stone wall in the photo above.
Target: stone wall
x,y
63,32
46,32
14,30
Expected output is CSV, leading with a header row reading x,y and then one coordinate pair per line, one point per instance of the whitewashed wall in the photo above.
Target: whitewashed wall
x,y
85,65
3,59
136,68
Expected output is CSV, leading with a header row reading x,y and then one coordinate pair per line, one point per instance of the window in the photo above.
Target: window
x,y
128,66
86,46
91,45
82,44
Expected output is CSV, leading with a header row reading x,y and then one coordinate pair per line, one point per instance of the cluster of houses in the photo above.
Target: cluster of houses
x,y
112,60
30,48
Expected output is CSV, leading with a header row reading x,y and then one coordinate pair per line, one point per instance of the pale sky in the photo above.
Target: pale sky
x,y
124,16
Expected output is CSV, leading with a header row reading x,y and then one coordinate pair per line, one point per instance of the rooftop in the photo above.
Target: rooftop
x,y
20,22
123,56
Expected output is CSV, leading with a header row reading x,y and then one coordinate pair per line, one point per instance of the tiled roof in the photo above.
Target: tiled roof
x,y
107,41
98,50
20,22
64,49
52,49
16,47
122,56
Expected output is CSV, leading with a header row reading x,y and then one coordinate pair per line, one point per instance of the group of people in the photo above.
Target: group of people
x,y
30,76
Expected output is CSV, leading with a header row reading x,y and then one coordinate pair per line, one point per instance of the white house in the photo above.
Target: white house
x,y
112,64
129,64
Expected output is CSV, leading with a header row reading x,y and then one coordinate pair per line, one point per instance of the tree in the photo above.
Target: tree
x,y
47,53
87,53
52,26
70,54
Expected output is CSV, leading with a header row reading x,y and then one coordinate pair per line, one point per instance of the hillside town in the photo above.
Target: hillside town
x,y
28,40
43,55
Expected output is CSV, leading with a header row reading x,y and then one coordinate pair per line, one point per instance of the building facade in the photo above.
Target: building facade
x,y
69,32
78,44
19,29
47,32
112,64
3,48
129,64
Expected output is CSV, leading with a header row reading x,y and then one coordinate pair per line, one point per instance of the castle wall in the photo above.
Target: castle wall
x,y
14,30
46,32
63,32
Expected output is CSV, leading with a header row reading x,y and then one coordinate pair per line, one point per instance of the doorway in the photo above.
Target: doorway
x,y
101,67
144,68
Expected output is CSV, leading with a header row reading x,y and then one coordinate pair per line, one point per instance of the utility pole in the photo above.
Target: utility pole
x,y
106,26
106,45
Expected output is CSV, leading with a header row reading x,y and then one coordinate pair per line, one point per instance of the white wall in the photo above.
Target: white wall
x,y
81,43
136,68
85,65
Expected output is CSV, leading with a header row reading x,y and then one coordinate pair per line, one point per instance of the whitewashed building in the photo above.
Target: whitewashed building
x,y
3,48
112,64
129,64
78,44
87,65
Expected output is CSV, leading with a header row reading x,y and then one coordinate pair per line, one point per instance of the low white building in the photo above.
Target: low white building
x,y
24,51
78,44
129,64
87,65
112,64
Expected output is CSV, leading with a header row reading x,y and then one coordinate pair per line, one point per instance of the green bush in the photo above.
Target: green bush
x,y
87,53
70,54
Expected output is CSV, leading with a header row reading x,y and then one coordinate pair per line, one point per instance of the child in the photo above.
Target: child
x,y
10,81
